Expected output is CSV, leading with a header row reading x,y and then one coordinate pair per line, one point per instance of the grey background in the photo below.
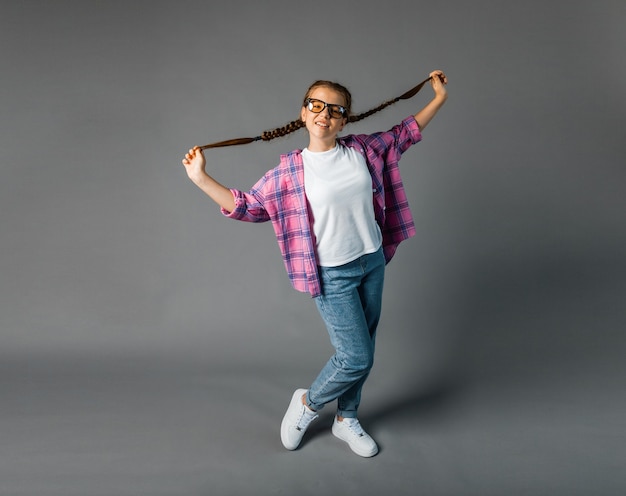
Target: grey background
x,y
149,346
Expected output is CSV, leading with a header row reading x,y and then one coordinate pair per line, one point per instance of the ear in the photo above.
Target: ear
x,y
303,114
344,121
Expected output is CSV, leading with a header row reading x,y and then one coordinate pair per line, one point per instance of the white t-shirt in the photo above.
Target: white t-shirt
x,y
338,187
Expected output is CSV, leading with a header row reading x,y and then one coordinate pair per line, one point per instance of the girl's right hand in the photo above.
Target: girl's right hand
x,y
195,163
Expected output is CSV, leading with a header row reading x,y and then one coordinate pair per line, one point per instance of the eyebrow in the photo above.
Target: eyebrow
x,y
335,104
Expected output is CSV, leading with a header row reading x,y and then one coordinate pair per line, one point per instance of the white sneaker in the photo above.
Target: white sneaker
x,y
296,420
350,431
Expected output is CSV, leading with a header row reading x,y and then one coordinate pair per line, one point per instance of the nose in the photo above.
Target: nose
x,y
326,110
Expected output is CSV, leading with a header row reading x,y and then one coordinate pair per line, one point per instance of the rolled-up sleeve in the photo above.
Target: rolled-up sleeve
x,y
411,131
248,208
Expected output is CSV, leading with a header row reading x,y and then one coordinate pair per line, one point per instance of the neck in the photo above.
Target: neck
x,y
322,145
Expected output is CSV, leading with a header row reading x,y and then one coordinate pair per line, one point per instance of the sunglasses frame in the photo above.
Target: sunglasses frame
x,y
308,103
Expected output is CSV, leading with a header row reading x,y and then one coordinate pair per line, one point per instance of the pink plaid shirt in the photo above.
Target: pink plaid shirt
x,y
279,196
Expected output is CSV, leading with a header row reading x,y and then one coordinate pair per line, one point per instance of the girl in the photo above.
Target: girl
x,y
339,211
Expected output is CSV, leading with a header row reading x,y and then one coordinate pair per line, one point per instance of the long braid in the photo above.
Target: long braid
x,y
298,123
359,117
266,136
282,131
412,92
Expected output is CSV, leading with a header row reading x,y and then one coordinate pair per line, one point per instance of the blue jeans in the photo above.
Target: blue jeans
x,y
350,306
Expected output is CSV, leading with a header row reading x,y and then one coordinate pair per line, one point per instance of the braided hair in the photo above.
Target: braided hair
x,y
298,123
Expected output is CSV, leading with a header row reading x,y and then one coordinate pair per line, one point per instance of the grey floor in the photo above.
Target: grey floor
x,y
130,425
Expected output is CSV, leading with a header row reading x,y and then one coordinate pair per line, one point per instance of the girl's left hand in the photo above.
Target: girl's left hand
x,y
438,83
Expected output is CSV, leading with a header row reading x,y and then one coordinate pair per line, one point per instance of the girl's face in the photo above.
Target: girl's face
x,y
323,128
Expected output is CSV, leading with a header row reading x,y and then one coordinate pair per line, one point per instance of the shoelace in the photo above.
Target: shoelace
x,y
355,426
306,417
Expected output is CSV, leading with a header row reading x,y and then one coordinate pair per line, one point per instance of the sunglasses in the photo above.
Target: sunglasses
x,y
317,106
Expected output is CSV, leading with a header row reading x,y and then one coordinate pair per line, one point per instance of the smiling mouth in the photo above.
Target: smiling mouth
x,y
322,124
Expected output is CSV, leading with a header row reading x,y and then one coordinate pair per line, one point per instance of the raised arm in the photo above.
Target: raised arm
x,y
438,83
195,165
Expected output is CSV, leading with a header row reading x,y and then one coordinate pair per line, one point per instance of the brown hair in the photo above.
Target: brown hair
x,y
342,90
297,124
